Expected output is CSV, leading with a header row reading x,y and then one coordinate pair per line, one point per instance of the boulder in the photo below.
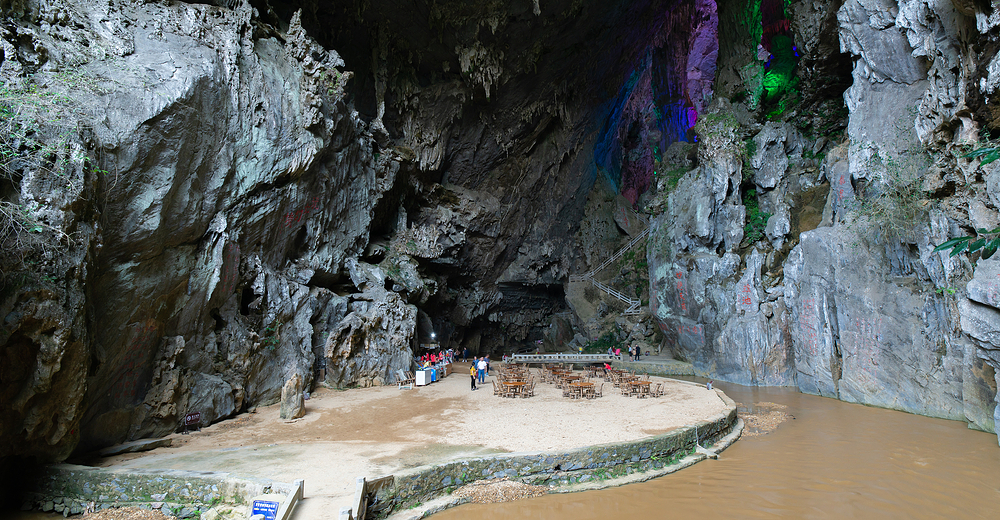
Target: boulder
x,y
293,403
211,396
373,341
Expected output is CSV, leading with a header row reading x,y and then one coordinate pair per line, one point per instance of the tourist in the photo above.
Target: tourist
x,y
472,372
618,353
480,365
709,385
487,366
465,354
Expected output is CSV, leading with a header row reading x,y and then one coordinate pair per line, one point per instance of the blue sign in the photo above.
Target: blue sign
x,y
265,507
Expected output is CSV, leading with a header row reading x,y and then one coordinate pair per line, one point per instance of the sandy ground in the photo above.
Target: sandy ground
x,y
377,431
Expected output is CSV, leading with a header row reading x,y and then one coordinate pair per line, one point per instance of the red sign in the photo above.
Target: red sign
x,y
192,418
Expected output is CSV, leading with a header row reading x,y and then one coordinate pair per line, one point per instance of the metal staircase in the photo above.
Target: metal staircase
x,y
633,304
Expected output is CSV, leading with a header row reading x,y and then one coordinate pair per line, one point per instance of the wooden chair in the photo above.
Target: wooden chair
x,y
598,391
404,379
658,391
529,389
626,389
496,388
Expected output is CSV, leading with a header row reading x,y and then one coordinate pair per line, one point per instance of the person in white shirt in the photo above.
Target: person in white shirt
x,y
481,366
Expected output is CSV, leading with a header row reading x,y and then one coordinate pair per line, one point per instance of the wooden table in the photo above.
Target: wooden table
x,y
515,387
642,388
565,380
579,388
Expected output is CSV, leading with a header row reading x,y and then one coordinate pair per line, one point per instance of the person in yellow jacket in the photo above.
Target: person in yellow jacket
x,y
472,372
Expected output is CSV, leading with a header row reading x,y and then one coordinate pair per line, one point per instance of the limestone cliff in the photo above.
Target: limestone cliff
x,y
839,291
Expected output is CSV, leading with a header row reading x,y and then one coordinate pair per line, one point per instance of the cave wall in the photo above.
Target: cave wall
x,y
244,191
841,293
222,185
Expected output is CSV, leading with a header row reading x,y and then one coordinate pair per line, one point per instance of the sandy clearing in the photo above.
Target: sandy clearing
x,y
376,431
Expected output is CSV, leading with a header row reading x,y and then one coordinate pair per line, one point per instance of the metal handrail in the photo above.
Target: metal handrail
x,y
633,305
618,254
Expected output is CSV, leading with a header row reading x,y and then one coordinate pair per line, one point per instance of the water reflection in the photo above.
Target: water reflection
x,y
833,460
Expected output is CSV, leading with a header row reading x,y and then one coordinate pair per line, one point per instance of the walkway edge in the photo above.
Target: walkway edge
x,y
426,490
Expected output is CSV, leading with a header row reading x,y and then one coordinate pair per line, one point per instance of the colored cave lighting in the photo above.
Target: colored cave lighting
x,y
646,117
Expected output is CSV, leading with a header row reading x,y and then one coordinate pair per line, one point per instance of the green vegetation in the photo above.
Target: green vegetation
x,y
809,154
609,339
893,204
749,150
753,230
986,239
986,154
335,82
670,177
271,337
38,135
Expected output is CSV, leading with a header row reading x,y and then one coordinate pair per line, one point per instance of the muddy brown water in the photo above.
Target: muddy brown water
x,y
833,460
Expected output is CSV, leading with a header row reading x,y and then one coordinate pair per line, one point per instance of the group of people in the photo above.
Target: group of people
x,y
433,358
634,351
479,369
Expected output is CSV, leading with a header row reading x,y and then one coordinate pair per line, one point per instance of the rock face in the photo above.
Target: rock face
x,y
203,214
855,331
220,196
840,293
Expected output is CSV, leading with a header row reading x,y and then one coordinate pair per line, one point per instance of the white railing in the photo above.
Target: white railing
x,y
633,305
561,358
618,254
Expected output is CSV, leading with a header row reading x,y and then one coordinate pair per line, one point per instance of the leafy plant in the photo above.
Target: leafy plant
x,y
986,239
609,339
335,82
749,148
987,154
271,337
753,230
38,134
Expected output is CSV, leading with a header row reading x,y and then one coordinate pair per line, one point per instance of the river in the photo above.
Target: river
x,y
833,460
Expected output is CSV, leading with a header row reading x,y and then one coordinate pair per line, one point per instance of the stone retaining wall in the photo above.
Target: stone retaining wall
x,y
658,368
607,461
70,489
